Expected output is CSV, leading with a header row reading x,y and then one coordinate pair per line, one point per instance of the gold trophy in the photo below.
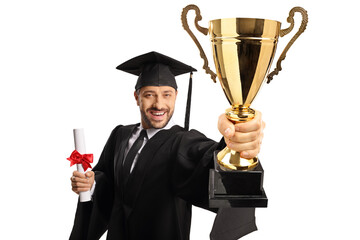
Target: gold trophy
x,y
243,50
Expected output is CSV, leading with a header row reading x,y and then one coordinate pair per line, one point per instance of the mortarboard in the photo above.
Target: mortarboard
x,y
155,69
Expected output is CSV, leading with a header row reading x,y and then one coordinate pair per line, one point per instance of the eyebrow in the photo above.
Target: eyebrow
x,y
151,91
168,91
148,91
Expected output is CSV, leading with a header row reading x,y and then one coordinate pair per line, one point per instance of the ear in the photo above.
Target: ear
x,y
136,98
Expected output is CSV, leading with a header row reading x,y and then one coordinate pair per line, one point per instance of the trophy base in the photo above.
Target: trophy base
x,y
230,160
237,188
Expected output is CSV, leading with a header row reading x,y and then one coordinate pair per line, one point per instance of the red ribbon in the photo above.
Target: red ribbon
x,y
84,159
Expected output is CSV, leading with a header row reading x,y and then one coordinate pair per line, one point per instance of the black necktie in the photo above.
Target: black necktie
x,y
132,153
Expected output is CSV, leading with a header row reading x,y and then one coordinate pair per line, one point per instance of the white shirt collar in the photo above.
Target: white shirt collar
x,y
152,131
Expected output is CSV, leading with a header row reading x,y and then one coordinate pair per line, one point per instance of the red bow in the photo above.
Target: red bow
x,y
84,159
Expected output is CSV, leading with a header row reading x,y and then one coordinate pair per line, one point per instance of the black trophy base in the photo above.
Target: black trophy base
x,y
236,189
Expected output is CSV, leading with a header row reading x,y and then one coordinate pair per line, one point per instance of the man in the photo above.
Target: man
x,y
150,174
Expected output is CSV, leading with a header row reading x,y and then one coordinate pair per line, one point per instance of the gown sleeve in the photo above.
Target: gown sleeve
x,y
92,218
193,160
190,178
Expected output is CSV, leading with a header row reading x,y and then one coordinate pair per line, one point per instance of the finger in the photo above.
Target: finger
x,y
89,174
239,137
78,190
225,126
78,174
250,126
80,185
249,154
80,180
239,147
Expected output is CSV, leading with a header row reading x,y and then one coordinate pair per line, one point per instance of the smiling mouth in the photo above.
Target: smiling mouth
x,y
157,114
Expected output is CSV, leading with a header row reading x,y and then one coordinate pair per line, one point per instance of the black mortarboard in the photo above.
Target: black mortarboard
x,y
155,69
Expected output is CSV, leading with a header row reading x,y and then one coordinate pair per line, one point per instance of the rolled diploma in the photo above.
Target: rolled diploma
x,y
79,139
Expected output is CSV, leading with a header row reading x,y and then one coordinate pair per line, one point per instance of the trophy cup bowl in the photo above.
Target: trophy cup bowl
x,y
243,51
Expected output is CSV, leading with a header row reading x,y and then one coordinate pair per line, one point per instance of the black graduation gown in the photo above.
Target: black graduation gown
x,y
171,174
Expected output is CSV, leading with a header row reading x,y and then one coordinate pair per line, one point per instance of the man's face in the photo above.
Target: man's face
x,y
156,105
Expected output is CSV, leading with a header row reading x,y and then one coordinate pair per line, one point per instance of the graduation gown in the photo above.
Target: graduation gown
x,y
171,175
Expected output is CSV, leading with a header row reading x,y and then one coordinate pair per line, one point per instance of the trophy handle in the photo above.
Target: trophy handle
x,y
285,31
202,30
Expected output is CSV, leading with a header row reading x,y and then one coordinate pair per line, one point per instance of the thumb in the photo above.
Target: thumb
x,y
89,174
225,126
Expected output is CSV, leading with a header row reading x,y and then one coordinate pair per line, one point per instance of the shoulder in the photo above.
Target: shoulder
x,y
120,131
190,139
119,128
191,134
177,134
126,126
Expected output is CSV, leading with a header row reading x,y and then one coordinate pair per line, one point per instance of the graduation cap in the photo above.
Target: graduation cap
x,y
155,69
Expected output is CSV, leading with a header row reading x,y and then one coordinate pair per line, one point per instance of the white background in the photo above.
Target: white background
x,y
57,72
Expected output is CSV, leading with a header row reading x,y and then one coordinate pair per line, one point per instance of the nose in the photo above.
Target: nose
x,y
159,102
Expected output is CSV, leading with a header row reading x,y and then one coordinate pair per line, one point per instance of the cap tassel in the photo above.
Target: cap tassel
x,y
188,104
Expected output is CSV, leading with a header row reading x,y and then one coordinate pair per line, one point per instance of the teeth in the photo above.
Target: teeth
x,y
159,114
